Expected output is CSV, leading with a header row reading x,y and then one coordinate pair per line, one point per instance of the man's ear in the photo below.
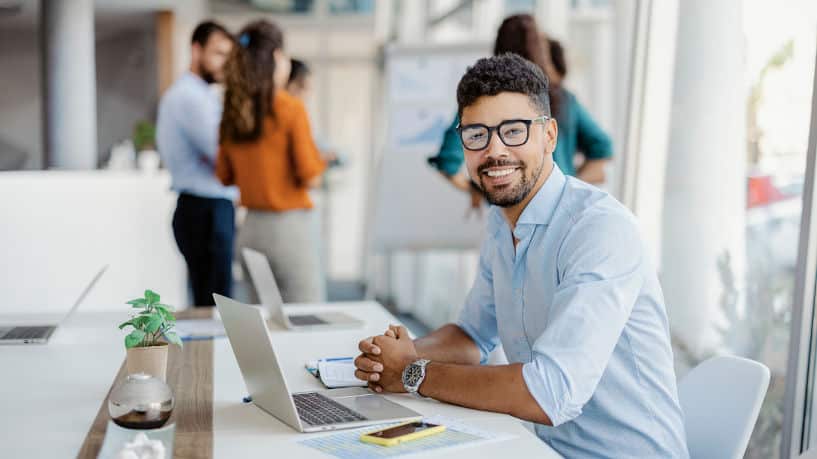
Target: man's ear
x,y
552,133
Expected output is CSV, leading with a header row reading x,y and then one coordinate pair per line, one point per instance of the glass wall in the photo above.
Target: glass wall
x,y
751,294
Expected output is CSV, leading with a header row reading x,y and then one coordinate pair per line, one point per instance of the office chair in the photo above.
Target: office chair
x,y
721,399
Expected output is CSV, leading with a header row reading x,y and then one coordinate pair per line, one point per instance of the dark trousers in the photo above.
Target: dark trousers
x,y
205,229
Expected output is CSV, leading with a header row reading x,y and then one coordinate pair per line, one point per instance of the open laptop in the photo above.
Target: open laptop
x,y
270,296
312,411
40,334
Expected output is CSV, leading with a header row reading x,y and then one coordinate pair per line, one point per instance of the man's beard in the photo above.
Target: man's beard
x,y
512,197
208,76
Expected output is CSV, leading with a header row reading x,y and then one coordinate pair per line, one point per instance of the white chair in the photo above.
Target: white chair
x,y
721,400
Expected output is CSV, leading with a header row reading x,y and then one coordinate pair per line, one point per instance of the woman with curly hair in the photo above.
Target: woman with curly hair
x,y
268,151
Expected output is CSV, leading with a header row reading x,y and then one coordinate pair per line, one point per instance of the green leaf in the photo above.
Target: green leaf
x,y
167,314
153,323
134,338
137,302
141,321
125,324
151,297
173,338
166,306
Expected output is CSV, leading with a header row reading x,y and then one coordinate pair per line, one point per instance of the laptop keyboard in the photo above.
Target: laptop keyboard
x,y
318,410
305,320
27,333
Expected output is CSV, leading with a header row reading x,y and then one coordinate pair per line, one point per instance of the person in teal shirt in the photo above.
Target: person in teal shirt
x,y
578,132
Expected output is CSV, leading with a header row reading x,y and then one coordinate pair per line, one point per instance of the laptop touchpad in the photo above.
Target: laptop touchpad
x,y
375,407
305,320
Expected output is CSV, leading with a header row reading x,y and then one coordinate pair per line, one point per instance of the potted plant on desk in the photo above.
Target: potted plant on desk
x,y
147,343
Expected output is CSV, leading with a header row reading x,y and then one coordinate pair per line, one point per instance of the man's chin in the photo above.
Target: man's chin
x,y
504,199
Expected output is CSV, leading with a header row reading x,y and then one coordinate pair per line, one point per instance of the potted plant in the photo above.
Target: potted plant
x,y
144,142
147,343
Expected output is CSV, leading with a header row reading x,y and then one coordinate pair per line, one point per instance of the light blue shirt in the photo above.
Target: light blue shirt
x,y
579,304
187,137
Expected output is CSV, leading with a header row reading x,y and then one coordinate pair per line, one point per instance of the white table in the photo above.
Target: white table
x,y
54,391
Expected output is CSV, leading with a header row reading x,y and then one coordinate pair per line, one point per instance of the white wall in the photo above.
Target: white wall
x,y
66,225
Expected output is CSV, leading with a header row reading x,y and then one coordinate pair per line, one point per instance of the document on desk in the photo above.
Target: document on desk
x,y
335,374
347,444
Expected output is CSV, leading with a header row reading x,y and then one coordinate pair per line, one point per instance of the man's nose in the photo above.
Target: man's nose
x,y
495,147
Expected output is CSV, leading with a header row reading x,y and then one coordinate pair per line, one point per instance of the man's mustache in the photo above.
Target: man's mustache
x,y
499,163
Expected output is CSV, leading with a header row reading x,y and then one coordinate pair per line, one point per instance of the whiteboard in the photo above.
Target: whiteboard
x,y
415,208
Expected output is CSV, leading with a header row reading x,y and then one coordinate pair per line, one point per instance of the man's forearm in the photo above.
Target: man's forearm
x,y
448,344
499,388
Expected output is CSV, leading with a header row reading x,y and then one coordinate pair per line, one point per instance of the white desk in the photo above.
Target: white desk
x,y
55,391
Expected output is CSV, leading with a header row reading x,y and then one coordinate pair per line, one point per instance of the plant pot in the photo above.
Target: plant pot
x,y
150,360
148,161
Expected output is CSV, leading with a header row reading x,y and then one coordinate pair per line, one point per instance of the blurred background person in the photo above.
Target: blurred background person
x,y
585,147
267,150
520,35
187,139
299,85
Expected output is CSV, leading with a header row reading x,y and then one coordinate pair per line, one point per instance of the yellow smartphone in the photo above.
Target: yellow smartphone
x,y
401,433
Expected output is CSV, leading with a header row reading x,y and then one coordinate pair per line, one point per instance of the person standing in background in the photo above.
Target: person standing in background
x,y
581,138
299,85
187,139
267,150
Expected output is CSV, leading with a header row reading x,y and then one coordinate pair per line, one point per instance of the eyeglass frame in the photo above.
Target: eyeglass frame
x,y
491,129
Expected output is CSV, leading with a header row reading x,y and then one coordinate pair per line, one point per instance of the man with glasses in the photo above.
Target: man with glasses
x,y
564,283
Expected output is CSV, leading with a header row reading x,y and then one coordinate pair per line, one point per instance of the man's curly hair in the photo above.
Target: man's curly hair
x,y
504,73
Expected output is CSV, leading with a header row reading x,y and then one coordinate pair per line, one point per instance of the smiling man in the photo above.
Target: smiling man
x,y
564,283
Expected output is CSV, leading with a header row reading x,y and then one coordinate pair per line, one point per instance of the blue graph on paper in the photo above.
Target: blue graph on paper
x,y
347,444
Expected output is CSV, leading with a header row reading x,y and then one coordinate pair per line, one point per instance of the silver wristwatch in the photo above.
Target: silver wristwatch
x,y
413,375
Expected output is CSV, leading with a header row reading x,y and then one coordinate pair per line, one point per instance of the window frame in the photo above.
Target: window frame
x,y
800,374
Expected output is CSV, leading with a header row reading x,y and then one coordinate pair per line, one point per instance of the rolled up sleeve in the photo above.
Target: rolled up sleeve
x,y
478,317
600,270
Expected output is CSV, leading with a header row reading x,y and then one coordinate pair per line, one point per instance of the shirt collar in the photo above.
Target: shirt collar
x,y
539,210
192,77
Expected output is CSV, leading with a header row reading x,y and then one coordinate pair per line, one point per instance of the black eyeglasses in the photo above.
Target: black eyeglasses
x,y
512,133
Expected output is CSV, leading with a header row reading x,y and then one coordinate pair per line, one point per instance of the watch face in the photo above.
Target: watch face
x,y
413,374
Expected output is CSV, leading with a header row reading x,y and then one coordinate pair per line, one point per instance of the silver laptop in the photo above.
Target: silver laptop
x,y
304,411
40,334
270,296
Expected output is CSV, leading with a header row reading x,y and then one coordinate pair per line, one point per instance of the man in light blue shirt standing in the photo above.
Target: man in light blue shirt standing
x,y
564,284
187,137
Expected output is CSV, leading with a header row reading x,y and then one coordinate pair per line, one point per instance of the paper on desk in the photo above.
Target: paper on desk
x,y
199,328
338,374
347,444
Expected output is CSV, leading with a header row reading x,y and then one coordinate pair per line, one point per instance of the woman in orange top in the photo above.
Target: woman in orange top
x,y
267,150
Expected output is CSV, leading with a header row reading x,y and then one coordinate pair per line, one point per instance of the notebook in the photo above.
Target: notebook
x,y
335,372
